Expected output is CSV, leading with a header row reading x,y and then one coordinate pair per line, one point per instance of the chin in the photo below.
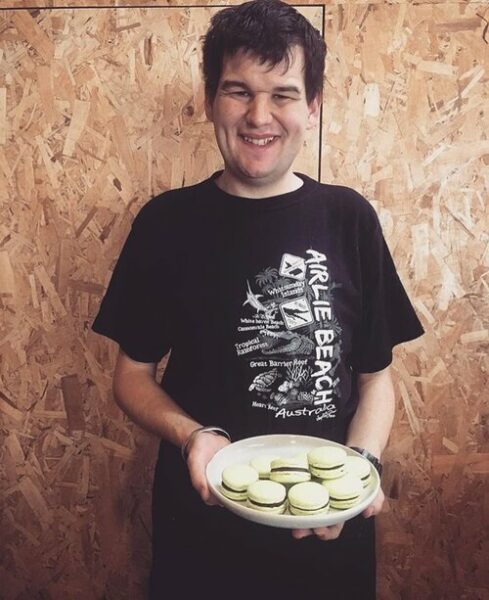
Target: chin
x,y
259,180
260,174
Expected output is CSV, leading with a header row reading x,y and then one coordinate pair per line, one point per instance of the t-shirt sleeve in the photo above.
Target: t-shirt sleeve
x,y
135,309
387,317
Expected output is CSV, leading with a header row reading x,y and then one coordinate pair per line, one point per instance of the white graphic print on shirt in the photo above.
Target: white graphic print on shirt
x,y
292,340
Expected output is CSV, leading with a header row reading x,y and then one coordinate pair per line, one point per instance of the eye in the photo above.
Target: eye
x,y
239,94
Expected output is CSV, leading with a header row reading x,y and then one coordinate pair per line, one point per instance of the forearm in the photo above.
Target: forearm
x,y
371,425
138,394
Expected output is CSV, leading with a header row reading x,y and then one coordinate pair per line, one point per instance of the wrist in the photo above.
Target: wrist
x,y
212,429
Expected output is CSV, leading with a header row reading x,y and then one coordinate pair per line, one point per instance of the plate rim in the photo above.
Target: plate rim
x,y
288,521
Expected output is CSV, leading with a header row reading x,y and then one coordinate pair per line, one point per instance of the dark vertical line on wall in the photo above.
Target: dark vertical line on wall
x,y
320,157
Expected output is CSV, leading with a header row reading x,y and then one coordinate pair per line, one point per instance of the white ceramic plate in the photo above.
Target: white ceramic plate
x,y
281,445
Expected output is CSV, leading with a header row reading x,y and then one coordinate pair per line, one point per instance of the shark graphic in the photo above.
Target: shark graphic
x,y
254,300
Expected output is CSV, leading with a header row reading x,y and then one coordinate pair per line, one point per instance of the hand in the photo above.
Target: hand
x,y
376,507
202,449
333,532
323,533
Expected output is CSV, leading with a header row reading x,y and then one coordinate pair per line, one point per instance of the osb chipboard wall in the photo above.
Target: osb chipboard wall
x,y
102,108
406,122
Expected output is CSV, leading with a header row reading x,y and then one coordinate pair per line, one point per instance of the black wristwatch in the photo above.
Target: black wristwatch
x,y
373,459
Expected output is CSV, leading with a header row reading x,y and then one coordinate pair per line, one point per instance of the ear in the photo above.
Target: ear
x,y
314,111
209,113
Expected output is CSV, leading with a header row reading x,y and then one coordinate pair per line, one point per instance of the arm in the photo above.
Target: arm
x,y
372,422
369,429
138,394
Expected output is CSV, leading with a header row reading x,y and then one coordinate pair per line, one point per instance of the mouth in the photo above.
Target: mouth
x,y
259,141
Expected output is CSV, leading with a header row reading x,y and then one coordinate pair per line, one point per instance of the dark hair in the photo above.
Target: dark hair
x,y
267,29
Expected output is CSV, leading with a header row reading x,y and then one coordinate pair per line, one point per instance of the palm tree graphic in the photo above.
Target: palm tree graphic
x,y
267,276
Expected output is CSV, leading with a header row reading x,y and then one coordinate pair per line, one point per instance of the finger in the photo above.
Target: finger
x,y
204,492
200,484
200,453
376,507
213,501
329,533
298,534
329,536
372,511
207,496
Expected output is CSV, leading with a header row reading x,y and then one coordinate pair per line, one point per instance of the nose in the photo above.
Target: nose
x,y
259,111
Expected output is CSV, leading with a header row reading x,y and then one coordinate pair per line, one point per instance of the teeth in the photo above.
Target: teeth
x,y
259,142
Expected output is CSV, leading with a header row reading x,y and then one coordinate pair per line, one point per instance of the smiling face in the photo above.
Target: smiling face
x,y
260,116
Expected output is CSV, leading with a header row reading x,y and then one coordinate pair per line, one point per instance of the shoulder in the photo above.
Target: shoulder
x,y
345,203
160,224
170,206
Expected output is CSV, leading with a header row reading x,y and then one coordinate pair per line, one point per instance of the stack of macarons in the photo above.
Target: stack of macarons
x,y
342,475
309,484
243,482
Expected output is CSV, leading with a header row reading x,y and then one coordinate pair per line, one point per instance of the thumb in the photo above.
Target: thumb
x,y
206,494
200,483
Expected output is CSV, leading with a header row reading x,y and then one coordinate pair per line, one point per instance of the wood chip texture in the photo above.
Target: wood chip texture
x,y
101,107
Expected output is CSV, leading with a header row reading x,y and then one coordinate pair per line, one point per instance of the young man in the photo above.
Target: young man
x,y
280,303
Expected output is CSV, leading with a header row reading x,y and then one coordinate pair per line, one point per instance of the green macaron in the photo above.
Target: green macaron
x,y
327,462
344,492
359,466
308,498
290,470
262,465
267,496
235,481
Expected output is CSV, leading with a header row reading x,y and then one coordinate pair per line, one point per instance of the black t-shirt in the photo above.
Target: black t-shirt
x,y
270,306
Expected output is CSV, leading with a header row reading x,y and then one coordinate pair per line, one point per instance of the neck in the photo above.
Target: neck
x,y
289,183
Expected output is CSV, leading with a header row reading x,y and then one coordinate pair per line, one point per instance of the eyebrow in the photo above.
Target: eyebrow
x,y
230,83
